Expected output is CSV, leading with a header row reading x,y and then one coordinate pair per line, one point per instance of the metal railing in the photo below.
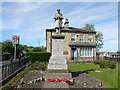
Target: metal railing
x,y
10,68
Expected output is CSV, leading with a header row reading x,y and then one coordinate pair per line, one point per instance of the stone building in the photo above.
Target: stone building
x,y
79,45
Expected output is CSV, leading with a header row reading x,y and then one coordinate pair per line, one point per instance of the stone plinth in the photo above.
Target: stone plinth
x,y
57,61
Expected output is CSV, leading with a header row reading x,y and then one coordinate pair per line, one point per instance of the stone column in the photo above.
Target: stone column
x,y
57,61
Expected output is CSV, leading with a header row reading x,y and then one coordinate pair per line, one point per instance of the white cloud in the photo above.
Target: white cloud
x,y
12,24
60,1
22,7
25,20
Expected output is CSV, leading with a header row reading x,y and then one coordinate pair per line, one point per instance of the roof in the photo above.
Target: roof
x,y
82,44
72,29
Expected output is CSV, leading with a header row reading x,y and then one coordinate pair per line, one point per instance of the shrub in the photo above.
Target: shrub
x,y
105,63
97,61
112,64
38,56
39,66
6,56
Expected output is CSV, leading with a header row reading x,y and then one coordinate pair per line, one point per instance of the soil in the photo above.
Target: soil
x,y
82,80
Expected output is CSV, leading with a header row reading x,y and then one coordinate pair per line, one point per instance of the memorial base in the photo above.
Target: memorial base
x,y
57,71
57,62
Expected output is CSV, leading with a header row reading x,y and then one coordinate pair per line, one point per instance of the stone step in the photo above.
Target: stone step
x,y
57,66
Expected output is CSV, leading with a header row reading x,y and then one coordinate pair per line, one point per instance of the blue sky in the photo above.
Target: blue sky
x,y
30,19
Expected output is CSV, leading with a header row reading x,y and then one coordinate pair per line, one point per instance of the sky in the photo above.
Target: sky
x,y
29,20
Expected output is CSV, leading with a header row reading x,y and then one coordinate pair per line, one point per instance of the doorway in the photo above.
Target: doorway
x,y
74,54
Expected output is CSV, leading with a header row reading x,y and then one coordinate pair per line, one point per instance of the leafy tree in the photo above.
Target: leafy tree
x,y
7,47
39,49
89,27
99,35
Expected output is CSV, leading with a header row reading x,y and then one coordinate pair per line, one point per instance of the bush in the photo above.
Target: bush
x,y
6,56
39,65
112,64
38,56
105,63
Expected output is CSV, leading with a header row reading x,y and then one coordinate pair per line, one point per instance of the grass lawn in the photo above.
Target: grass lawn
x,y
108,76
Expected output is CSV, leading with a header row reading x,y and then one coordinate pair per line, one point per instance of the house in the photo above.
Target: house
x,y
79,45
104,55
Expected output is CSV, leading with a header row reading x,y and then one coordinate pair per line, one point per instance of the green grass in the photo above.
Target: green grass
x,y
108,76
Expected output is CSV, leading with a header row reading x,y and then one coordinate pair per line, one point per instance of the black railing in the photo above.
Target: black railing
x,y
10,68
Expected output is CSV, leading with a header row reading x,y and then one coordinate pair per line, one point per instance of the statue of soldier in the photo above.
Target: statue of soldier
x,y
58,21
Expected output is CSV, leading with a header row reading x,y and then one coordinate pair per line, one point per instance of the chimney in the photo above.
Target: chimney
x,y
66,24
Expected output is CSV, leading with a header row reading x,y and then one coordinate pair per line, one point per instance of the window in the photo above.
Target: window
x,y
73,37
81,38
86,52
89,38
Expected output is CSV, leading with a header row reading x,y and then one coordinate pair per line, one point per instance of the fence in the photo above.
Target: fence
x,y
11,67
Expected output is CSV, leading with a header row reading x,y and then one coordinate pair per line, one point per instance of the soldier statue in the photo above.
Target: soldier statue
x,y
58,21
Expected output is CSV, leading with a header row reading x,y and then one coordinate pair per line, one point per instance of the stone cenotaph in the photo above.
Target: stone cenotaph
x,y
57,61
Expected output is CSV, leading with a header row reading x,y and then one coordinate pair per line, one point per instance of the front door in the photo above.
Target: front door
x,y
74,54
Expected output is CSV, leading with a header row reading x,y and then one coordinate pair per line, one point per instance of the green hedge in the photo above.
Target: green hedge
x,y
38,56
6,56
105,63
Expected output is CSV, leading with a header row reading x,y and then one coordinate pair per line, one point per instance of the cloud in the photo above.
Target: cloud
x,y
12,24
29,20
88,13
59,1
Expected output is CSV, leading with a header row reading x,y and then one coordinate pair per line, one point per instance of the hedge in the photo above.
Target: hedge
x,y
38,56
105,63
6,56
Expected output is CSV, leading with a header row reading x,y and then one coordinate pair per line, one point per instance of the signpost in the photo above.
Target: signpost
x,y
15,41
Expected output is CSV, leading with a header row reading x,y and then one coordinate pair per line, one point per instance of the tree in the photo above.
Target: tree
x,y
7,47
39,49
99,36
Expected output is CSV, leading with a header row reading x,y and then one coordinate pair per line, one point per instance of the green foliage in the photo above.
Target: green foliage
x,y
105,63
89,27
39,65
19,49
99,42
99,35
7,47
38,56
112,64
6,56
39,49
108,76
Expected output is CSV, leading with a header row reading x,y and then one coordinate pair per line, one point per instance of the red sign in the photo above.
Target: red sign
x,y
15,39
